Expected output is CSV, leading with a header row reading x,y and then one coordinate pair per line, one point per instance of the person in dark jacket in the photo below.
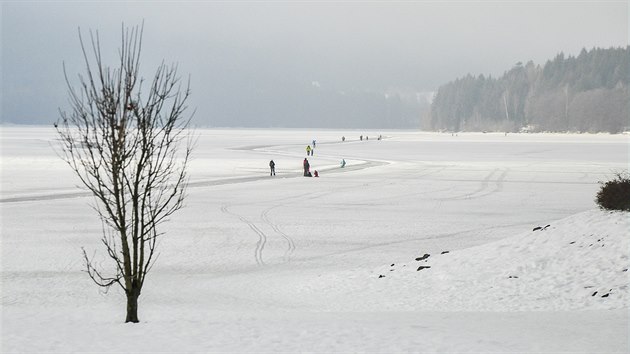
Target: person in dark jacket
x,y
307,167
272,166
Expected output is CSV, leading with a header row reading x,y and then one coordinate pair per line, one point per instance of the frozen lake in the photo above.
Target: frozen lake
x,y
241,266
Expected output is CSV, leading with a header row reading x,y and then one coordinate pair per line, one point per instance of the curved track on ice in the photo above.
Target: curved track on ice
x,y
197,184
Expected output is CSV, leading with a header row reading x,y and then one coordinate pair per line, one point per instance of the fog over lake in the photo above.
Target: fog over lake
x,y
297,64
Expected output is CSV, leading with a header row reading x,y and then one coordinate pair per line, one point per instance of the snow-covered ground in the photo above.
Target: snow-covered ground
x,y
255,263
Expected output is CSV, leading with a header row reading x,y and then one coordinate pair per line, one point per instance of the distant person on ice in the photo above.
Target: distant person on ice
x,y
314,141
272,166
308,150
343,163
343,138
307,167
315,174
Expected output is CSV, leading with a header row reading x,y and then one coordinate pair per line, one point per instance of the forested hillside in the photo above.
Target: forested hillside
x,y
587,93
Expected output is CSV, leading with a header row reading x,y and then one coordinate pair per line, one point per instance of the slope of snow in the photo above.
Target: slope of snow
x,y
577,263
285,264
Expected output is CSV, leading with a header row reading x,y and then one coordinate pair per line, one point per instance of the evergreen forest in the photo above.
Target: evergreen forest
x,y
584,93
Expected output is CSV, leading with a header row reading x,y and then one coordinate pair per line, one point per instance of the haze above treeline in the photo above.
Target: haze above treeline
x,y
584,93
323,64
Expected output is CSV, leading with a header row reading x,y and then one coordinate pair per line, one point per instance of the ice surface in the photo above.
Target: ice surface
x,y
287,263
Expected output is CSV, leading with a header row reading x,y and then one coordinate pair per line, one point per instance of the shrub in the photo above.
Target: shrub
x,y
615,194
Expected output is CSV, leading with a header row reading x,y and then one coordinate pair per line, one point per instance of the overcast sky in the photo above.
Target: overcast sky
x,y
232,49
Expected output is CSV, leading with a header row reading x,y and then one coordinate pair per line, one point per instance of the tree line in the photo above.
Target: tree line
x,y
584,93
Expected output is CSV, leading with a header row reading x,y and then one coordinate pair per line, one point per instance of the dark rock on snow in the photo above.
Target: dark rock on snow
x,y
541,228
426,255
423,267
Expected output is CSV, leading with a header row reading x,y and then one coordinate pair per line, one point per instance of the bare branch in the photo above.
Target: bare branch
x,y
124,146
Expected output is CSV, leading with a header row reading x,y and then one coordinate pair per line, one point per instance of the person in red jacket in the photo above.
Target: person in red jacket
x,y
307,167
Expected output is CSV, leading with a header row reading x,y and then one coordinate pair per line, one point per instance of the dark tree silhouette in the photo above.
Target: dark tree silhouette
x,y
587,93
125,145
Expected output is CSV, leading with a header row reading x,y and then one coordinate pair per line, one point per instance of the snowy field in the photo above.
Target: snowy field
x,y
338,263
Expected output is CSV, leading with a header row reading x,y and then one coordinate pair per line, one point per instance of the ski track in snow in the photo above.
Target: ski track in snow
x,y
262,237
290,243
264,216
484,188
37,198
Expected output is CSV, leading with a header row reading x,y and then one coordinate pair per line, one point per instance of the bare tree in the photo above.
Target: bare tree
x,y
125,145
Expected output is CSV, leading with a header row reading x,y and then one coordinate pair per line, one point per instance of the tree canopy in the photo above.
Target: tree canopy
x,y
587,93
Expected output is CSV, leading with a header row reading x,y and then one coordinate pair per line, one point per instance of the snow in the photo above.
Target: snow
x,y
255,263
577,263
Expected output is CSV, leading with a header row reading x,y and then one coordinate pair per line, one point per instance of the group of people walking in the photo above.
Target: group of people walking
x,y
311,150
306,165
379,137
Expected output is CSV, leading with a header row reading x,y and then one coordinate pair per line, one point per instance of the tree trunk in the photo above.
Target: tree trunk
x,y
132,306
